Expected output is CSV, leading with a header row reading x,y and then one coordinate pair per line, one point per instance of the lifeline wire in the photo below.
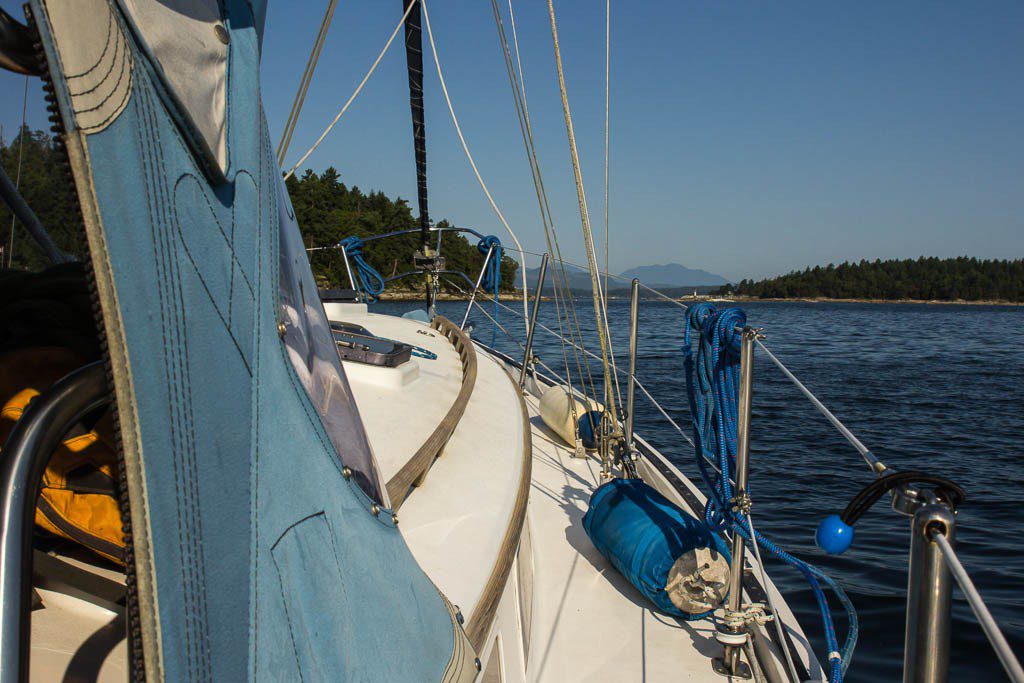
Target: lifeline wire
x,y
981,611
547,219
660,295
988,623
307,78
865,452
587,352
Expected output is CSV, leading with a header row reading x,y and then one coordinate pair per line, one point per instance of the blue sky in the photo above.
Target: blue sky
x,y
748,139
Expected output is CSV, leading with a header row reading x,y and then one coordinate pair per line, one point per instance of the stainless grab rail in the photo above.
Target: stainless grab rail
x,y
26,454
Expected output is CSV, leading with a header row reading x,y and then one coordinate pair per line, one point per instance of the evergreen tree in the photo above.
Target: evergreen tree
x,y
326,209
928,278
49,191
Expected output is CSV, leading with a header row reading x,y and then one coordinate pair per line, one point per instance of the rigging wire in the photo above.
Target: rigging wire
x,y
355,94
519,61
655,292
17,180
307,78
10,196
598,296
550,235
638,383
469,156
607,131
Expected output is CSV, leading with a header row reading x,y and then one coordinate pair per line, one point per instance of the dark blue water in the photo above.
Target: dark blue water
x,y
930,387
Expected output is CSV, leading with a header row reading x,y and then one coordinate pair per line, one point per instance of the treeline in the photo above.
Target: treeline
x,y
328,211
48,190
931,279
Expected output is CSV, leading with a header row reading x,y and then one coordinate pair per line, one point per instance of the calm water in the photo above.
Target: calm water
x,y
936,388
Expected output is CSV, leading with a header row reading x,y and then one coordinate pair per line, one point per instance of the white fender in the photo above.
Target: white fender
x,y
557,412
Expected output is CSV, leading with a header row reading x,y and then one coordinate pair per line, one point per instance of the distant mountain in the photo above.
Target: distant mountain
x,y
578,277
668,276
673,275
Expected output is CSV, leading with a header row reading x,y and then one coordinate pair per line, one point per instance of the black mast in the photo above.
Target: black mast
x,y
426,258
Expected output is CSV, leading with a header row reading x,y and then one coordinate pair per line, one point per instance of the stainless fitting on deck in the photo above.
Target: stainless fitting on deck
x,y
430,262
476,287
528,351
348,271
929,593
634,328
733,634
604,443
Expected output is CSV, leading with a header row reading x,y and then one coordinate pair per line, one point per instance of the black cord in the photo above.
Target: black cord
x,y
945,489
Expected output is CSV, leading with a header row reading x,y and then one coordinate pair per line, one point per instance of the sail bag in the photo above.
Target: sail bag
x,y
671,557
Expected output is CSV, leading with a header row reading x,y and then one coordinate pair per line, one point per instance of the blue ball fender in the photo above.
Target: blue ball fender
x,y
833,535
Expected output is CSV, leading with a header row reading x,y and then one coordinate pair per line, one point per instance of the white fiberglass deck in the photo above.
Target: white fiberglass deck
x,y
589,623
573,616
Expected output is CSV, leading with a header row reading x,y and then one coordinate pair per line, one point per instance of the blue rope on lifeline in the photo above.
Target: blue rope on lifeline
x,y
712,387
370,280
491,280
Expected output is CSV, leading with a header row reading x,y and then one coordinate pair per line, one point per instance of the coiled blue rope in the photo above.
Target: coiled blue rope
x,y
370,280
491,280
712,386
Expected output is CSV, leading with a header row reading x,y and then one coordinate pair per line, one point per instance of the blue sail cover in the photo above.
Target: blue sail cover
x,y
642,534
257,550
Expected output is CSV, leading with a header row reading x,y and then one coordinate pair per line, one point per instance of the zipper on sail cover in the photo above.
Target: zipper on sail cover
x,y
136,661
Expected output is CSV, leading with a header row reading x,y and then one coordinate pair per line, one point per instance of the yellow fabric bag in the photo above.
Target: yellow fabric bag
x,y
77,499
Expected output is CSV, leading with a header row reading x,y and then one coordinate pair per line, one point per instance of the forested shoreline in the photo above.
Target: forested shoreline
x,y
925,279
327,210
39,172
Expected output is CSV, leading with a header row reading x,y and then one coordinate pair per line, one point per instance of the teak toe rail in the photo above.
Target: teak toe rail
x,y
415,471
483,615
